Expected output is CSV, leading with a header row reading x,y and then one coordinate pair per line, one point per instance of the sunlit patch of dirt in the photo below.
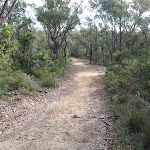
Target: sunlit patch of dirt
x,y
87,74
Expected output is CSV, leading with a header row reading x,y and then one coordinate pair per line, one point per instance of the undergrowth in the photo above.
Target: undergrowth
x,y
129,91
27,63
26,83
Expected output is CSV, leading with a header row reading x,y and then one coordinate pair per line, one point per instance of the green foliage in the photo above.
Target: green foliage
x,y
112,80
49,75
7,46
24,56
57,19
129,74
127,77
101,57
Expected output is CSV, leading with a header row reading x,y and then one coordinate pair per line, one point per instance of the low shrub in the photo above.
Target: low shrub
x,y
13,81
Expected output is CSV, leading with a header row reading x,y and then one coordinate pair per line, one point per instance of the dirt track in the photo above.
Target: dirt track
x,y
70,117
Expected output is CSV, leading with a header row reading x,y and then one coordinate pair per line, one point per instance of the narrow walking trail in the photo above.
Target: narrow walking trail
x,y
70,117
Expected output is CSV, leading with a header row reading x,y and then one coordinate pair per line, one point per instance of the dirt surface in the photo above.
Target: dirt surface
x,y
71,117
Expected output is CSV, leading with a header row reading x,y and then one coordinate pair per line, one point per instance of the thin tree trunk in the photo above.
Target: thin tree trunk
x,y
110,52
90,44
65,54
91,53
96,44
112,40
111,56
103,54
120,28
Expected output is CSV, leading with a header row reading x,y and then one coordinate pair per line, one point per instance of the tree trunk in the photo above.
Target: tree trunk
x,y
9,13
103,54
91,53
110,51
96,44
112,40
120,28
65,54
56,46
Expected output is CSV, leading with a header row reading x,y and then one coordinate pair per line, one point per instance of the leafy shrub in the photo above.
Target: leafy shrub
x,y
50,72
19,81
9,82
112,81
47,81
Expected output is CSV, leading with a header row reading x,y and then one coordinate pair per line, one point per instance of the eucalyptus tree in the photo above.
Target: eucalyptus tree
x,y
57,18
113,14
141,16
18,18
92,38
18,11
5,14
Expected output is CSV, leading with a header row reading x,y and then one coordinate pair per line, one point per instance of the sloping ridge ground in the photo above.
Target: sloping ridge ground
x,y
70,117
